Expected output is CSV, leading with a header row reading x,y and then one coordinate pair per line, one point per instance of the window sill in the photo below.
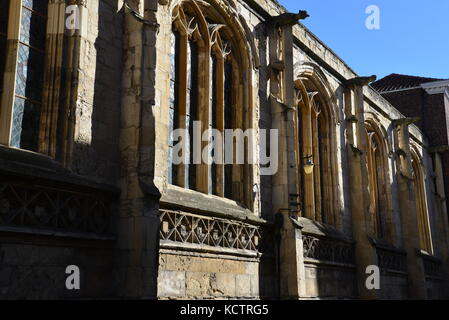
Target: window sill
x,y
385,245
171,246
54,234
31,165
319,229
426,255
174,197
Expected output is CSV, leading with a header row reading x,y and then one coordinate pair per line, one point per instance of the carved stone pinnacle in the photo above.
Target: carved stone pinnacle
x,y
288,18
360,81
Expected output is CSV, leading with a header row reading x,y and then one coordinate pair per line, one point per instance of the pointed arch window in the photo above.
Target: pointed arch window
x,y
421,204
186,43
205,86
375,186
314,131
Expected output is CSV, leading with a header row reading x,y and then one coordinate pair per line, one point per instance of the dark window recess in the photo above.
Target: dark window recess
x,y
191,109
213,122
228,113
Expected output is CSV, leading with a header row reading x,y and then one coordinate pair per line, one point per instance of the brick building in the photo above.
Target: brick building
x,y
426,99
88,115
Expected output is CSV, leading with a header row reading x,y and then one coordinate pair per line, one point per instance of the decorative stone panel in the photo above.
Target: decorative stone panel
x,y
328,250
39,207
390,259
432,267
186,228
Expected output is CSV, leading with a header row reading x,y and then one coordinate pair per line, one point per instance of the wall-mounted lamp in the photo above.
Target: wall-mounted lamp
x,y
308,164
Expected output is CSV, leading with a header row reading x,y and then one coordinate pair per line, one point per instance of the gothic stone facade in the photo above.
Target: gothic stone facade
x,y
87,176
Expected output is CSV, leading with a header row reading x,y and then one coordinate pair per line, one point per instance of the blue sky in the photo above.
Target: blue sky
x,y
413,37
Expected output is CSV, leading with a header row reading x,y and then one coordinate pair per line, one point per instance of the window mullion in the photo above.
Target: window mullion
x,y
9,79
52,75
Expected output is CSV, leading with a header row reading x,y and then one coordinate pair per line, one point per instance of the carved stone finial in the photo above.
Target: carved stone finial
x,y
352,119
360,81
277,65
405,121
356,150
288,18
296,223
438,149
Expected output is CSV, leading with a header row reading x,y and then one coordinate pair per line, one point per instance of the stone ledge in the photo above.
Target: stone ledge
x,y
169,247
53,233
425,255
327,264
384,245
32,166
319,229
174,197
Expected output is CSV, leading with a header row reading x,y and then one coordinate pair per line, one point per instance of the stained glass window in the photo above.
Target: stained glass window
x,y
3,33
29,76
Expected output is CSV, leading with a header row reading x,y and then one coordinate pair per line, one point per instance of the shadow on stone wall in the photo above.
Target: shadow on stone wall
x,y
95,152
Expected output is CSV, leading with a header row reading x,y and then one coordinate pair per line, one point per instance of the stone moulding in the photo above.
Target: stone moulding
x,y
432,266
318,249
33,208
186,231
391,260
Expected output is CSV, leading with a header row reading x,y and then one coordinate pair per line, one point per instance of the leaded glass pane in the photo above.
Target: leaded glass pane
x,y
39,6
32,29
29,75
25,124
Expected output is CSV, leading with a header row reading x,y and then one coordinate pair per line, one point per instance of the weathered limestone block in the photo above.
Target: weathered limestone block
x,y
171,284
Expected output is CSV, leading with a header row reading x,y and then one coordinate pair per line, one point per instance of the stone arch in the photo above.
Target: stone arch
x,y
381,204
317,121
422,209
227,55
308,71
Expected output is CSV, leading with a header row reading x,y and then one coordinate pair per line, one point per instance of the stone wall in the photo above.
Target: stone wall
x,y
326,282
199,245
211,276
394,286
34,267
96,138
435,289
